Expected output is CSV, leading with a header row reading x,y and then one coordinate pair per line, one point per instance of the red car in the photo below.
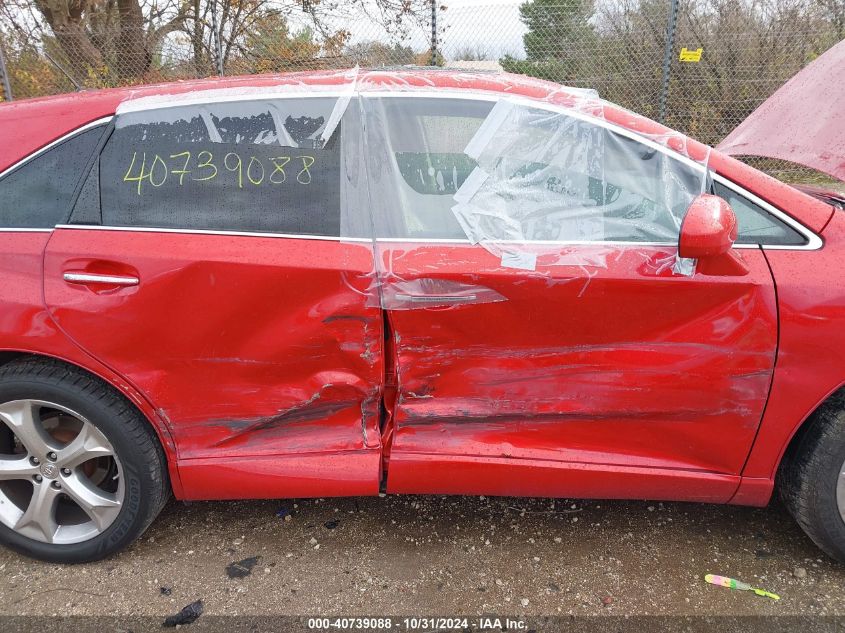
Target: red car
x,y
419,282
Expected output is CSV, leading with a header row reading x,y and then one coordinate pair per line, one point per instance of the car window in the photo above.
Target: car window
x,y
38,194
458,168
266,166
756,226
417,162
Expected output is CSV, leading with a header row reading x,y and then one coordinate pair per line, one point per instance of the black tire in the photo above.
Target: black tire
x,y
809,475
146,483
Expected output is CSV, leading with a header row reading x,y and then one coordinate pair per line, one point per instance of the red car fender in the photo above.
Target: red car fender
x,y
34,332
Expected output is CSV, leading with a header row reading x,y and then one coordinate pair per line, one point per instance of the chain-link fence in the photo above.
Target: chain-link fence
x,y
701,65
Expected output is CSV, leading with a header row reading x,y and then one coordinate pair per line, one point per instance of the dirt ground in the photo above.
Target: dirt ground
x,y
442,556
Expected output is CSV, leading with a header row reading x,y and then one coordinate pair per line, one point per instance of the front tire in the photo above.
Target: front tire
x,y
811,479
82,474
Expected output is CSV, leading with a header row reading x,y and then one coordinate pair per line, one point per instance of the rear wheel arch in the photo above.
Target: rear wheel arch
x,y
70,431
121,388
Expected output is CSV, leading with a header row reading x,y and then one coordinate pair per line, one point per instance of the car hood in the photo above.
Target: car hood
x,y
803,122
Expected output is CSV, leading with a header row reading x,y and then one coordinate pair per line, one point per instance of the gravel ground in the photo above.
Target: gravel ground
x,y
442,556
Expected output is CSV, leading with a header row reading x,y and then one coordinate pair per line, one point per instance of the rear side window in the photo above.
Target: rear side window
x,y
756,226
266,166
38,194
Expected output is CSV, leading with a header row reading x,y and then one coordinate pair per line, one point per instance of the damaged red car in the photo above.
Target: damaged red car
x,y
344,283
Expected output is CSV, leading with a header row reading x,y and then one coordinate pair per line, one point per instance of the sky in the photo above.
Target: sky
x,y
489,25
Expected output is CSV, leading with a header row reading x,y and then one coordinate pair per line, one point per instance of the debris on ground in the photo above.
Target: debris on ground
x,y
732,583
284,513
410,563
799,572
330,525
165,591
242,568
185,616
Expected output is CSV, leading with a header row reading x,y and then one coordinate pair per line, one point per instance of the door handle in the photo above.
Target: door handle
x,y
436,298
95,278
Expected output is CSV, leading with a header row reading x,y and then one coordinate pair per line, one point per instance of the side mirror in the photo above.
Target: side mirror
x,y
709,228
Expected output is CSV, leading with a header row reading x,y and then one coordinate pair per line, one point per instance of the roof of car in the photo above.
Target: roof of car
x,y
25,123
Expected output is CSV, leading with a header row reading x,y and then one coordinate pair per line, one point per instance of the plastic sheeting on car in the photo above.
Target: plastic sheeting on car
x,y
550,177
536,182
535,185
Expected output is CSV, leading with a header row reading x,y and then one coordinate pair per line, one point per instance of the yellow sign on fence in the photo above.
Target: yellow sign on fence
x,y
691,56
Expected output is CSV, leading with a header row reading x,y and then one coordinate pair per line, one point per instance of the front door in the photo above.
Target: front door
x,y
546,339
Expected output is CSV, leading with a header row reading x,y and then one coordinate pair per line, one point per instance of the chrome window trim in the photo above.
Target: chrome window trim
x,y
24,230
387,240
390,240
329,238
148,229
219,95
814,241
23,161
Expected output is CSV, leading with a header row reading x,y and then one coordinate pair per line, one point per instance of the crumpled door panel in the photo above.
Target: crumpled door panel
x,y
629,364
250,347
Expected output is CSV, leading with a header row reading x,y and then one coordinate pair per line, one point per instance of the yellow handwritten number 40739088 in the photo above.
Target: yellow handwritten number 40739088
x,y
253,171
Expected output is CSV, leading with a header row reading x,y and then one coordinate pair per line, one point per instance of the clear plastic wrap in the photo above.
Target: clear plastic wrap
x,y
533,184
536,182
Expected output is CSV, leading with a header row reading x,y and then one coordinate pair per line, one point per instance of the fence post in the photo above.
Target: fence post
x,y
4,75
667,57
433,60
218,49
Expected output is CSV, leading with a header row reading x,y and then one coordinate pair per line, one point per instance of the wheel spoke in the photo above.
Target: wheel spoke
x,y
89,444
39,520
17,468
22,417
62,473
101,506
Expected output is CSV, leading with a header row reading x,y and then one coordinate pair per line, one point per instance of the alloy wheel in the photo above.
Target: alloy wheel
x,y
60,479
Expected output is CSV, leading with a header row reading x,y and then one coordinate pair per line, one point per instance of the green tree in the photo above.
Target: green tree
x,y
372,54
560,42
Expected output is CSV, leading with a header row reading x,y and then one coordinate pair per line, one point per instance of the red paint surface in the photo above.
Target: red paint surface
x,y
247,346
261,361
812,341
628,365
709,228
433,474
26,327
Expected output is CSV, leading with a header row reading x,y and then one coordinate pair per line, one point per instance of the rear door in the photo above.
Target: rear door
x,y
546,338
203,262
